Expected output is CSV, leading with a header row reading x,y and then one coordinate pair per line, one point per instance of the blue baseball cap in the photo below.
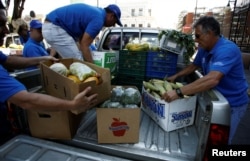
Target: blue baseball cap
x,y
35,24
116,10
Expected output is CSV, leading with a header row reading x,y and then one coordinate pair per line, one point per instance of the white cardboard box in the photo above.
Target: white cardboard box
x,y
105,60
169,116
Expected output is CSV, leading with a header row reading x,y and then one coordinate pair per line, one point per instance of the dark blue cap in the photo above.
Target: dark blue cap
x,y
116,10
35,24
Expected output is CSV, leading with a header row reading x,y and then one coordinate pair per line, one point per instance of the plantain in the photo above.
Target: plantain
x,y
167,86
158,81
179,84
162,90
174,86
156,95
150,86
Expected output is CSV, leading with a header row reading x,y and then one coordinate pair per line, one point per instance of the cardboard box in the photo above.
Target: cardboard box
x,y
53,125
118,125
105,60
169,116
60,86
64,124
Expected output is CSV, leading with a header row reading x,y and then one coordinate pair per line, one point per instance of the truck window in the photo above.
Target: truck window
x,y
17,40
113,40
8,41
151,38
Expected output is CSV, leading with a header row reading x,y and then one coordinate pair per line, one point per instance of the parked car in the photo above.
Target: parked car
x,y
12,45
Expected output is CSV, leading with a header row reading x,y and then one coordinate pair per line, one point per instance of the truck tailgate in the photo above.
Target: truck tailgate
x,y
154,143
25,148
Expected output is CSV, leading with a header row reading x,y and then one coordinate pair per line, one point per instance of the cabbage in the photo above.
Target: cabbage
x,y
131,106
117,94
60,68
131,96
81,70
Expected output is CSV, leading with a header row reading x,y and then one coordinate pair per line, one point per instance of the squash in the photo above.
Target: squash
x,y
81,70
60,68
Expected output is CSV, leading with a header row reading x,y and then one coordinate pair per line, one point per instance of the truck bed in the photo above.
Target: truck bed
x,y
154,143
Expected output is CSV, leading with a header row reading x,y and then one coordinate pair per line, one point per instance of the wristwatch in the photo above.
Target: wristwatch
x,y
179,93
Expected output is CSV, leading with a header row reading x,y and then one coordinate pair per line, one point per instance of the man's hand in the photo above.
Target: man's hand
x,y
46,58
170,96
172,78
83,101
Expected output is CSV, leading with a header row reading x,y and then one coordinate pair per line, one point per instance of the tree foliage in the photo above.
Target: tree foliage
x,y
18,8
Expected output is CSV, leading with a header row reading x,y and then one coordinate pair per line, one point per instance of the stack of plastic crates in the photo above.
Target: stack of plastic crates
x,y
132,68
161,64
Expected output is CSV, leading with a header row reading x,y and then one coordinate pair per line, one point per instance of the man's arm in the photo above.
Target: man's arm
x,y
17,62
188,70
205,83
85,42
36,101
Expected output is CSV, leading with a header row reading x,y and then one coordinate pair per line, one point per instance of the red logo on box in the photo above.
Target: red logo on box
x,y
118,128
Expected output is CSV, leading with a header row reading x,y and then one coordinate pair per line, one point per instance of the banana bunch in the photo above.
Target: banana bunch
x,y
158,87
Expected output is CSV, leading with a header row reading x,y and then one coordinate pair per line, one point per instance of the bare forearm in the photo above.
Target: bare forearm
x,y
17,62
202,84
36,101
190,69
87,54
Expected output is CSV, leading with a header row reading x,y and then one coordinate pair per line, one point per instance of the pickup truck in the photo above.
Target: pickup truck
x,y
192,143
211,127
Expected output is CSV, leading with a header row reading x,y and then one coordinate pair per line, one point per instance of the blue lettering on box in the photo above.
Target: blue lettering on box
x,y
154,105
181,117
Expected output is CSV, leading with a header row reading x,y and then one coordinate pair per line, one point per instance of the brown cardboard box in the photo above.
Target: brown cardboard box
x,y
53,125
118,125
60,86
64,124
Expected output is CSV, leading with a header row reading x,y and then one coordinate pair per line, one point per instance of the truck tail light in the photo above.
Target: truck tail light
x,y
218,135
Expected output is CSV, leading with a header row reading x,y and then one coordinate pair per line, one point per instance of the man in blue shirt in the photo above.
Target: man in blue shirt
x,y
78,22
221,62
23,33
34,47
14,92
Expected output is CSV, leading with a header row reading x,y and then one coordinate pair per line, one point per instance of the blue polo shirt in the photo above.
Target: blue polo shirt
x,y
33,48
8,87
225,57
24,40
78,18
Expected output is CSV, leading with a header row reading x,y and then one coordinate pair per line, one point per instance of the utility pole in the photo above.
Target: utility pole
x,y
195,11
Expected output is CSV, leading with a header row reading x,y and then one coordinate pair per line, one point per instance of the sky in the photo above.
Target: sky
x,y
167,13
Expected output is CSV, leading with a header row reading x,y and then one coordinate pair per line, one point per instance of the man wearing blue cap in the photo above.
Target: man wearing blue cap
x,y
81,23
34,47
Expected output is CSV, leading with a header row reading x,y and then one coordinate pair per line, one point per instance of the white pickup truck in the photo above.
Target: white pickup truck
x,y
211,125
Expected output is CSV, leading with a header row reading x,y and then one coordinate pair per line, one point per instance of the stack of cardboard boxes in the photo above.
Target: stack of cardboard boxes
x,y
114,125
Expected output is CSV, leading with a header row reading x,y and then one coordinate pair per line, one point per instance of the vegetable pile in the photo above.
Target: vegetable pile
x,y
77,72
158,87
123,98
141,47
